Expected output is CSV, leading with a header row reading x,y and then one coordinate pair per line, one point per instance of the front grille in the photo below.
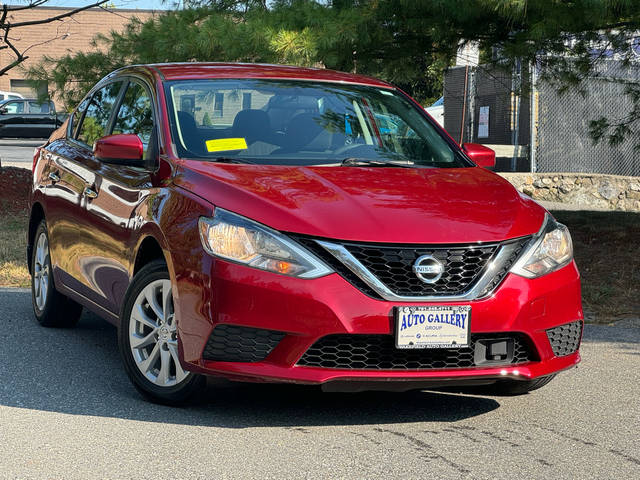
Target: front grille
x,y
378,352
233,343
565,339
393,265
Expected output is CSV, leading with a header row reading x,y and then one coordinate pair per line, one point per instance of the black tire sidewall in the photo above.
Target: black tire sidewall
x,y
156,270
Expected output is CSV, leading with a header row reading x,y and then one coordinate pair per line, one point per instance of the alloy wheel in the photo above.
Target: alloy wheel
x,y
153,335
41,271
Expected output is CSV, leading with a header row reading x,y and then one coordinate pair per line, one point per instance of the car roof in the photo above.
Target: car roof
x,y
438,103
192,70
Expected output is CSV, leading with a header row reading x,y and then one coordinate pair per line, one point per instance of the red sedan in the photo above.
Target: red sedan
x,y
277,224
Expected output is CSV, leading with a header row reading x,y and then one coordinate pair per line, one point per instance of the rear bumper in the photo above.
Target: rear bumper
x,y
307,310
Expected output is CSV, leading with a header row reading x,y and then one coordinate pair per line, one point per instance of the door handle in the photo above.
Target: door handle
x,y
90,193
54,177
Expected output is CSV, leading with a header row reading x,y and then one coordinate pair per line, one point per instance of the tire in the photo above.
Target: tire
x,y
147,322
50,307
519,387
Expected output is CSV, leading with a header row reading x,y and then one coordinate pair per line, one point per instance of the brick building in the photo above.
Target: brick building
x,y
72,34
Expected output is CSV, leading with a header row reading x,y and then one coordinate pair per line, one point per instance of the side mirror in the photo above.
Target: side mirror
x,y
121,149
4,111
481,155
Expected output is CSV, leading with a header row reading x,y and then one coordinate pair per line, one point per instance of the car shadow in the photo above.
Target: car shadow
x,y
78,372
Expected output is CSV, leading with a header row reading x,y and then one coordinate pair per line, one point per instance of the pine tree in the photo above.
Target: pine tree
x,y
407,42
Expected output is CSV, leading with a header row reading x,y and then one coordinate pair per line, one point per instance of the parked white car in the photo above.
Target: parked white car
x,y
9,95
437,111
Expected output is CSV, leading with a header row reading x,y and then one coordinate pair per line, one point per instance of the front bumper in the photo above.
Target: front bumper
x,y
308,310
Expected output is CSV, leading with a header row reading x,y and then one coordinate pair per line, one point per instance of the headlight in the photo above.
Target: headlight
x,y
244,241
549,250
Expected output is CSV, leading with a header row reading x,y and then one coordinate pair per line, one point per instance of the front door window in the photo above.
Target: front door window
x,y
135,115
14,107
96,119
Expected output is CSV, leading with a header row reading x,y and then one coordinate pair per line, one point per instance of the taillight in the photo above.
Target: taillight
x,y
36,154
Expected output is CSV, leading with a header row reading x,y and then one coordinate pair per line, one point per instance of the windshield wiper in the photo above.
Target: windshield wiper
x,y
231,160
354,162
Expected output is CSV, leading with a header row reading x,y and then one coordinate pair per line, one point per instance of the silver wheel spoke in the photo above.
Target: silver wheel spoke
x,y
167,300
150,295
139,315
40,250
180,373
146,365
165,360
43,294
141,342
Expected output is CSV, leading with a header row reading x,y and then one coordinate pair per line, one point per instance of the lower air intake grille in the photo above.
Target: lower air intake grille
x,y
378,352
233,343
565,339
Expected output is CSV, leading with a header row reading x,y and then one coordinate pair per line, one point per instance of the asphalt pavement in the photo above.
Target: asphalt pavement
x,y
67,411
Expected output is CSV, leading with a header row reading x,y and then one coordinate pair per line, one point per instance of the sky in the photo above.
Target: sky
x,y
143,4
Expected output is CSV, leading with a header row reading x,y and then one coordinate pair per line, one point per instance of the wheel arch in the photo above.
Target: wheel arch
x,y
148,249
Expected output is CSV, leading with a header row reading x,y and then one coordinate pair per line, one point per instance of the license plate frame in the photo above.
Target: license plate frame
x,y
426,335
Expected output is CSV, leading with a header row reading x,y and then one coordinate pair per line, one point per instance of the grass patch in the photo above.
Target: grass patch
x,y
13,244
607,251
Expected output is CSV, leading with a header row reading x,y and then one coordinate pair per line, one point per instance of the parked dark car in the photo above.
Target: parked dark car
x,y
277,224
28,118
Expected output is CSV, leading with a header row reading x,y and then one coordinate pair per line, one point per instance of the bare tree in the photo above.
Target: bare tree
x,y
8,28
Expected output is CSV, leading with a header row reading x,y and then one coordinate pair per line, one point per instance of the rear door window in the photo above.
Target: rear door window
x,y
95,123
36,107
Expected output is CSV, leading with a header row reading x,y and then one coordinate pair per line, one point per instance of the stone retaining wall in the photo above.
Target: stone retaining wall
x,y
611,192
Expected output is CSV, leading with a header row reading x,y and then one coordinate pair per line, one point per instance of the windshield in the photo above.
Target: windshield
x,y
282,122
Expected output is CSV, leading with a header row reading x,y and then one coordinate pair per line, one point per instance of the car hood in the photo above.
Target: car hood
x,y
369,204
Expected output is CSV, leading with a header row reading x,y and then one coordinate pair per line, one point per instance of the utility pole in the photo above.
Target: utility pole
x,y
472,103
533,111
516,90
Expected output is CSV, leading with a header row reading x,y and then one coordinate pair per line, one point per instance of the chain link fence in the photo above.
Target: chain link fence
x,y
536,128
562,139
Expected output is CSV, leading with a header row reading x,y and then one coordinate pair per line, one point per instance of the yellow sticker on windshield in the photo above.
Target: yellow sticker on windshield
x,y
225,144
